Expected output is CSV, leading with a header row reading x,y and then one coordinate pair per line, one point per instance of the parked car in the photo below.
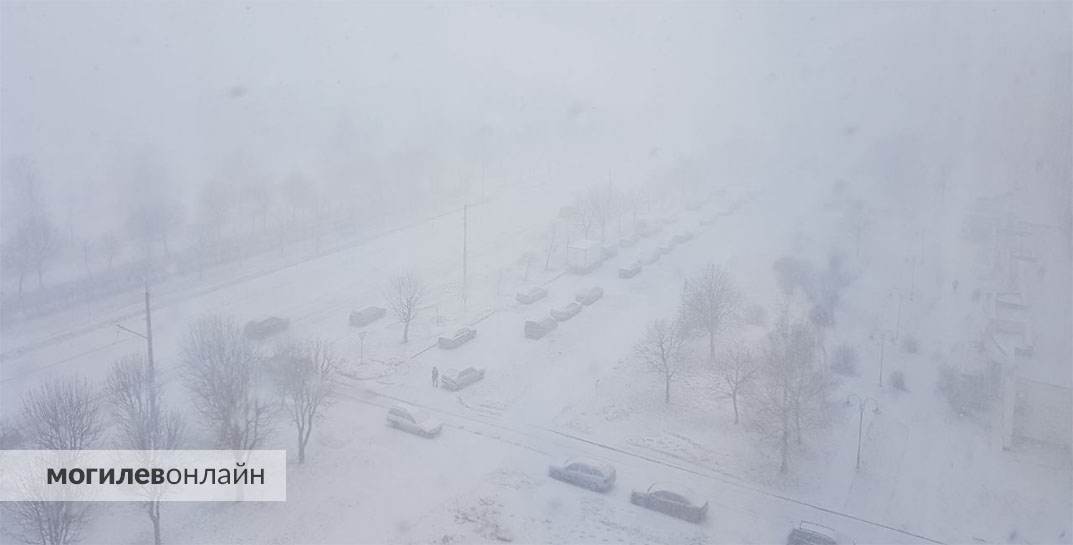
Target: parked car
x,y
454,380
629,240
671,502
366,316
810,533
710,219
535,329
630,271
666,246
459,338
682,236
262,329
566,312
609,251
589,296
531,295
585,473
413,421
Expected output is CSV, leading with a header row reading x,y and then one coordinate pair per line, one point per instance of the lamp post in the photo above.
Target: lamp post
x,y
862,402
361,335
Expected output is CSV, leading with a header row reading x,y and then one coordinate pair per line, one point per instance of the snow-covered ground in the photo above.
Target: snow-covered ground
x,y
926,473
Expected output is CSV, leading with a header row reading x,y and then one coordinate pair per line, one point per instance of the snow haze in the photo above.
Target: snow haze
x,y
546,273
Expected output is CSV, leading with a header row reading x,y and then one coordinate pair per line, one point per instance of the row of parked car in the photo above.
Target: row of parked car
x,y
535,329
600,477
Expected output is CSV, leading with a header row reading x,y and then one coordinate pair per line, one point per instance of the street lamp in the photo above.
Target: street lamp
x,y
361,335
861,404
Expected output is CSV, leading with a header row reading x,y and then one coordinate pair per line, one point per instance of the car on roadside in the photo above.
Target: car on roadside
x,y
535,329
810,533
589,474
682,236
453,380
629,271
670,501
608,251
458,338
565,312
589,296
366,316
531,295
628,240
666,246
262,329
413,421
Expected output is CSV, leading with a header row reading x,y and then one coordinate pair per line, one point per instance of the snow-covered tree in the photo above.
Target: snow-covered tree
x,y
404,294
792,392
710,303
222,371
59,415
305,380
737,368
663,350
144,423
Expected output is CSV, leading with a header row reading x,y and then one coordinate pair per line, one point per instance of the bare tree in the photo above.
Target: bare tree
x,y
737,369
793,392
144,424
110,247
551,239
856,220
662,350
30,248
306,380
710,302
404,294
221,368
59,415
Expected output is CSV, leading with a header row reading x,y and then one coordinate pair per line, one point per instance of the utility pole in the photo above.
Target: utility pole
x,y
861,403
151,366
361,335
882,343
465,238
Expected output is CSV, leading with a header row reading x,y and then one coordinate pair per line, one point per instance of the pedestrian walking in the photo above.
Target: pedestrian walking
x,y
435,377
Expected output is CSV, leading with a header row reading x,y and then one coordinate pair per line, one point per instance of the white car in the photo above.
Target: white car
x,y
565,312
453,380
414,421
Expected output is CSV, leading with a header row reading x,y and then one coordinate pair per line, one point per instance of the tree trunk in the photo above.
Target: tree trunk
x,y
154,515
406,332
667,390
734,400
711,345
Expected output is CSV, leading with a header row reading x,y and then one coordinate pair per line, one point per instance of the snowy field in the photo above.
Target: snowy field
x,y
852,225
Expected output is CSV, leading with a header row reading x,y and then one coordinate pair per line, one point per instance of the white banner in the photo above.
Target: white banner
x,y
140,475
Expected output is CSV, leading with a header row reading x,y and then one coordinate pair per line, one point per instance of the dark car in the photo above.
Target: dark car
x,y
531,295
566,312
810,533
456,380
459,338
366,316
590,295
262,329
670,502
585,473
629,271
535,329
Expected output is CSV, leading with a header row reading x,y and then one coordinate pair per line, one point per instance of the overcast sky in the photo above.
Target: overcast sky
x,y
271,88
